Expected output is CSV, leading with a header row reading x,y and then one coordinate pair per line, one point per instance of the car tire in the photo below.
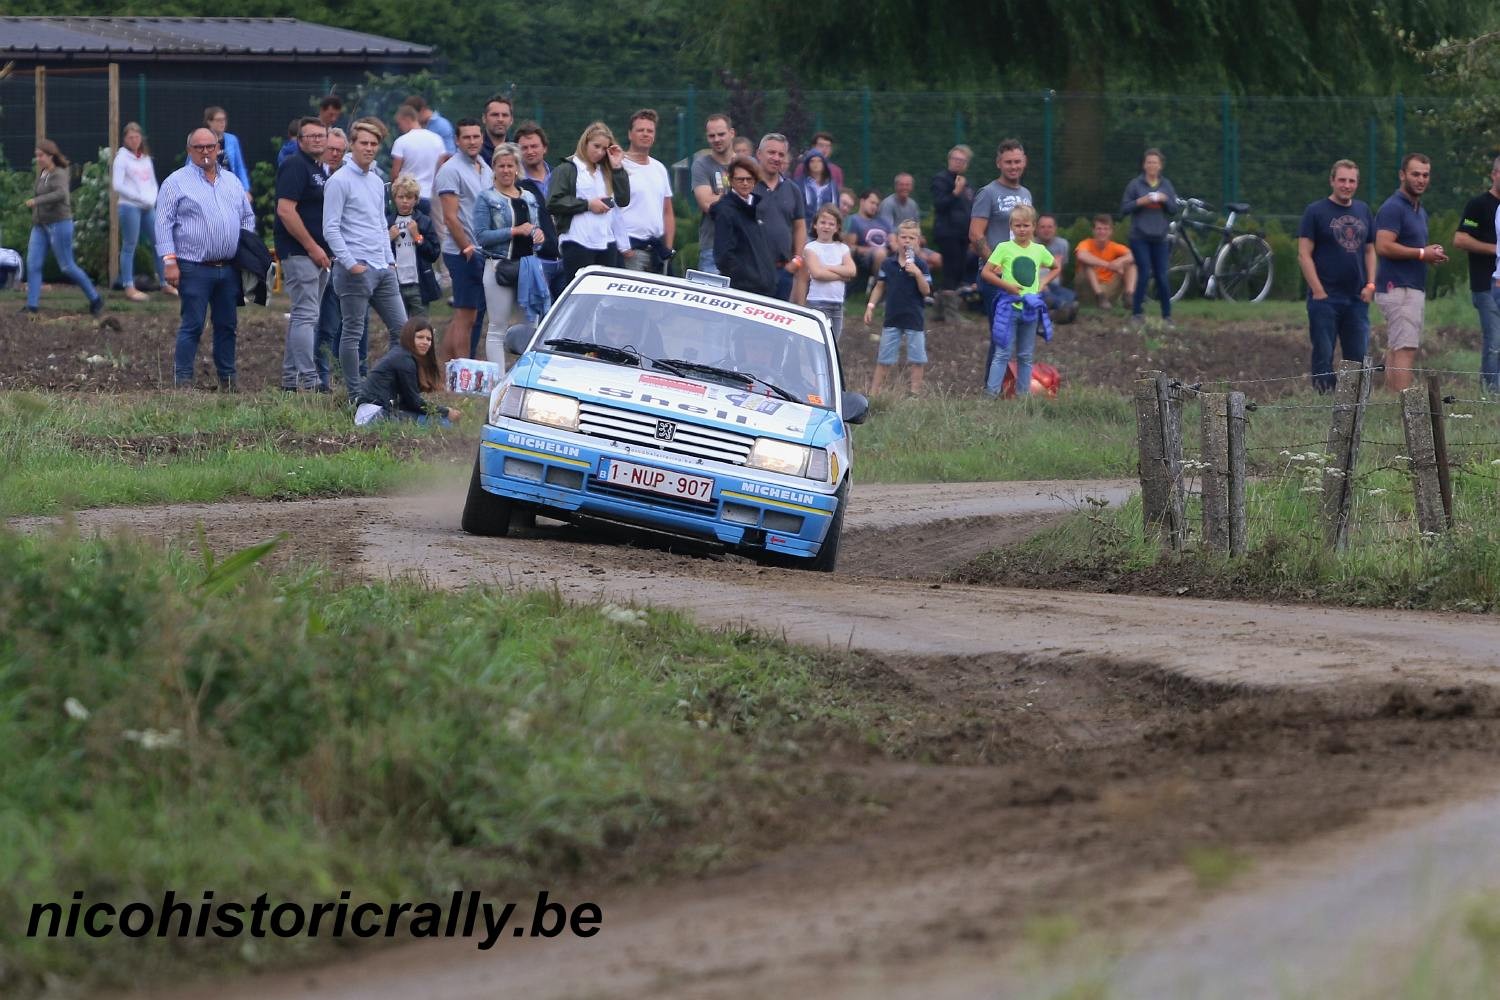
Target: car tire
x,y
484,513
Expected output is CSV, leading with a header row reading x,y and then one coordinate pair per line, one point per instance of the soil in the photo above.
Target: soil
x,y
130,350
1041,753
1043,756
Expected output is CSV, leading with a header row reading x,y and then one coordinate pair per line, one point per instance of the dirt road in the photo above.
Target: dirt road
x,y
1066,753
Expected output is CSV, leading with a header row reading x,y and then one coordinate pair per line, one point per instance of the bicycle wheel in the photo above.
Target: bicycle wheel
x,y
1242,272
1181,269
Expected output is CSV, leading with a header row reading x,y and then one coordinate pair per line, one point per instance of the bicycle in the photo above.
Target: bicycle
x,y
1239,268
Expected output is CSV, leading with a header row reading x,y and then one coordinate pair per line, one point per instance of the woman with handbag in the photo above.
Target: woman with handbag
x,y
506,230
582,194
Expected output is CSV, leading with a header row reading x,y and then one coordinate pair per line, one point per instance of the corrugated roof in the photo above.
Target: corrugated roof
x,y
195,38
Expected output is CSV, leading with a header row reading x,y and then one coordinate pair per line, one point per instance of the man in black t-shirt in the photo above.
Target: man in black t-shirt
x,y
1336,251
302,251
1476,236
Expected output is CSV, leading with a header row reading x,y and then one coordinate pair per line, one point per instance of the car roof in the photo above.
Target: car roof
x,y
691,285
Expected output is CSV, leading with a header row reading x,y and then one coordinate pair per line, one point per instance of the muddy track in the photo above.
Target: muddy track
x,y
1054,752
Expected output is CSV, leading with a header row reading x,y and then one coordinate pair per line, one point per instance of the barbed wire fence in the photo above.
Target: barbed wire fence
x,y
1378,471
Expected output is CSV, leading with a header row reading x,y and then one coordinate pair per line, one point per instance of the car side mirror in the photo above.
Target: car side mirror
x,y
856,407
518,338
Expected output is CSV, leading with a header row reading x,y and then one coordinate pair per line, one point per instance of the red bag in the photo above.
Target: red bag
x,y
1045,381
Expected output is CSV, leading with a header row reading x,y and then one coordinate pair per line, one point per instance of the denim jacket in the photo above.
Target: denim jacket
x,y
493,219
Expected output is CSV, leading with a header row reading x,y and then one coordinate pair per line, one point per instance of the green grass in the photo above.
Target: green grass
x,y
1083,434
303,739
69,452
1444,311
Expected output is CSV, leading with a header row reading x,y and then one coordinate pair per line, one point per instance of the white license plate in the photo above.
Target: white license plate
x,y
672,484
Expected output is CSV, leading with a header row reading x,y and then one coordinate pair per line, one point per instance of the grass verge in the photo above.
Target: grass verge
x,y
1083,434
72,452
169,723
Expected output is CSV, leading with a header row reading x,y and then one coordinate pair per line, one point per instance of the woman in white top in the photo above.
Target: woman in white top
x,y
135,182
580,197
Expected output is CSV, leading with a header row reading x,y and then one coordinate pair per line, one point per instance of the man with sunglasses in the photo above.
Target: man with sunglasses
x,y
200,212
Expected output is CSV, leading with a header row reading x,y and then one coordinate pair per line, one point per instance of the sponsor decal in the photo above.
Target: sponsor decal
x,y
542,444
776,492
815,399
751,401
662,381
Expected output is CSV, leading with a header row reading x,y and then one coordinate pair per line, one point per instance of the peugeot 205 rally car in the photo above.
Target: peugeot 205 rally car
x,y
674,404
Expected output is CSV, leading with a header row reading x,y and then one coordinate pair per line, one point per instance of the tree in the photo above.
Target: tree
x,y
1467,69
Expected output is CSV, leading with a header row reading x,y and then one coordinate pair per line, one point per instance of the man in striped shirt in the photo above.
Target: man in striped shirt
x,y
200,211
364,272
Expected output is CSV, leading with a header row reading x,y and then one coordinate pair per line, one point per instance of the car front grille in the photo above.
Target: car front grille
x,y
696,440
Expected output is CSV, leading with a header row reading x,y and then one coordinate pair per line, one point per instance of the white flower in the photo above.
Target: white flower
x,y
1377,491
151,739
75,709
1460,416
1311,489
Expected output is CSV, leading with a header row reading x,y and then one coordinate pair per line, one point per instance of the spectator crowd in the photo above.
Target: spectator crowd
x,y
481,212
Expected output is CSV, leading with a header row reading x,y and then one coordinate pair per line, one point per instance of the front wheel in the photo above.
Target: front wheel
x,y
484,513
1243,270
1181,267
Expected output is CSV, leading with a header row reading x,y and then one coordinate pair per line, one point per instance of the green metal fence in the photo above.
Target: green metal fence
x,y
1273,152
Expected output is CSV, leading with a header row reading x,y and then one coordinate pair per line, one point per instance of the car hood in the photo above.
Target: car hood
x,y
723,406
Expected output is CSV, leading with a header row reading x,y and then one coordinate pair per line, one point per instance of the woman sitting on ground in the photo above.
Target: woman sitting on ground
x,y
393,390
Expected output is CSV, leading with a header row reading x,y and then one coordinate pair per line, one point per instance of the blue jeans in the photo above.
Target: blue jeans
x,y
1341,320
1151,261
358,293
1023,349
134,220
1488,305
988,293
330,329
706,262
204,289
1058,296
58,237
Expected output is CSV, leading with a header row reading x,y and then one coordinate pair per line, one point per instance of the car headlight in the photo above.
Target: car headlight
x,y
779,456
550,409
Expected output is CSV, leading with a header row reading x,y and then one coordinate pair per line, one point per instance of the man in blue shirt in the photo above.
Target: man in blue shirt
x,y
364,272
200,211
1401,279
1336,251
433,121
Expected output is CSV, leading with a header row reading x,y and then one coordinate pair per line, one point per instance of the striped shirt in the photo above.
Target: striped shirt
x,y
354,218
198,219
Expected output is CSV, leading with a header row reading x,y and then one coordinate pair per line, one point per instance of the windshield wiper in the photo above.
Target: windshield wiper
x,y
682,367
616,354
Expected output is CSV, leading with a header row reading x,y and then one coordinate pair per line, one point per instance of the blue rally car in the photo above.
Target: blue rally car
x,y
674,404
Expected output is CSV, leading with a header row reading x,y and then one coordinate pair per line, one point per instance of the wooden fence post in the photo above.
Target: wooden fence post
x,y
1158,420
1350,397
1416,419
1237,525
1440,446
1216,475
39,102
114,196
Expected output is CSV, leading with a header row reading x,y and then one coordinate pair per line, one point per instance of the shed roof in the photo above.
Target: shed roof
x,y
235,39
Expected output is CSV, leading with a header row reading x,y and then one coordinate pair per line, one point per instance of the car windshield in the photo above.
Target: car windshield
x,y
633,322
